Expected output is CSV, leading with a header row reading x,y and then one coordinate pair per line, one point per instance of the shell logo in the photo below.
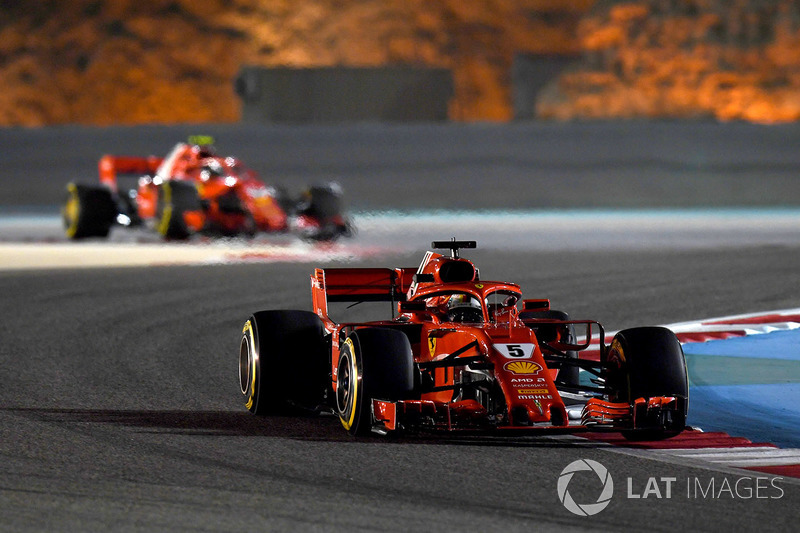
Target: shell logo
x,y
522,367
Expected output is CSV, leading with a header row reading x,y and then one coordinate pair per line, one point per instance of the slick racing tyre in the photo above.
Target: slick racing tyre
x,y
567,374
174,199
325,205
374,363
324,202
283,362
88,212
644,363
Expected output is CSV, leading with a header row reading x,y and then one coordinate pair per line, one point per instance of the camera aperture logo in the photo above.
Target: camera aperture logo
x,y
585,509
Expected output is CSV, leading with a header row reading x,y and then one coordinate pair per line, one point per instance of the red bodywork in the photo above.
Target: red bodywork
x,y
499,347
219,181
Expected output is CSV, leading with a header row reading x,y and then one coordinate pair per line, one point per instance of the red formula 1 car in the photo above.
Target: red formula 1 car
x,y
194,190
460,354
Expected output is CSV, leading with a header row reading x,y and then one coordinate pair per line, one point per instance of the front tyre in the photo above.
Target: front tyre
x,y
374,363
175,200
283,362
648,362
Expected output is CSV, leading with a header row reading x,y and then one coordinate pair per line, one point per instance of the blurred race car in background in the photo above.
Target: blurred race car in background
x,y
195,191
459,354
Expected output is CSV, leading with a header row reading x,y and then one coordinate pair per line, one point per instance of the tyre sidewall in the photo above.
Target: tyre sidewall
x,y
89,211
253,378
648,362
174,199
381,368
653,361
289,364
354,416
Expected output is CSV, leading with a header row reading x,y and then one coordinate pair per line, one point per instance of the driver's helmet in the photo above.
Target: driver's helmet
x,y
464,308
202,151
211,168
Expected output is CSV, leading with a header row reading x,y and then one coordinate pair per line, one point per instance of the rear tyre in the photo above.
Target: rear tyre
x,y
89,211
283,362
374,363
648,362
567,374
325,204
174,199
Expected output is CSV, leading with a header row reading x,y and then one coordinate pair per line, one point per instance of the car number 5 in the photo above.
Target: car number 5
x,y
515,350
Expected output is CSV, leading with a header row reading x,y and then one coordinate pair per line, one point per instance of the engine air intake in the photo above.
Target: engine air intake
x,y
456,271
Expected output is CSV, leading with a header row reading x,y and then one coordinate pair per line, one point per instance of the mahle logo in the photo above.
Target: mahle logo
x,y
585,509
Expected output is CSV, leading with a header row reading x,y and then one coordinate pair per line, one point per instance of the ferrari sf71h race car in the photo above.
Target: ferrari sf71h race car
x,y
194,190
461,353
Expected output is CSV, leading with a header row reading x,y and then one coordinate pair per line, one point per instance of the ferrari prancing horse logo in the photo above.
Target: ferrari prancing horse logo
x,y
432,345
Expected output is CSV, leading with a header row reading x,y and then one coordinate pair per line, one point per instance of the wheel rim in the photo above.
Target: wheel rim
x,y
344,385
245,364
71,212
165,202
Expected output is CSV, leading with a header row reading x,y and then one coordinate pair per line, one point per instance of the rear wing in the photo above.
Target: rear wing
x,y
110,165
358,285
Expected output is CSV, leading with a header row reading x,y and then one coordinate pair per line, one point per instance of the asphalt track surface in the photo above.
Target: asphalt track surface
x,y
451,166
120,409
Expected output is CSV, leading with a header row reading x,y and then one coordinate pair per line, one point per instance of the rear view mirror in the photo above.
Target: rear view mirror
x,y
412,307
565,335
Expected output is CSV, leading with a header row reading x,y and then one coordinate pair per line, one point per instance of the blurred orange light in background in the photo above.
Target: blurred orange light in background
x,y
127,62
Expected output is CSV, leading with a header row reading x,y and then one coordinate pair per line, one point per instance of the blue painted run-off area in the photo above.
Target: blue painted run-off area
x,y
747,386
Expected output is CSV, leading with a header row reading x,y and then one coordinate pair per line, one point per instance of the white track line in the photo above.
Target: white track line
x,y
32,256
740,457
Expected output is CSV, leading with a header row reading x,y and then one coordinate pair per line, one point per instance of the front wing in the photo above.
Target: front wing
x,y
469,415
